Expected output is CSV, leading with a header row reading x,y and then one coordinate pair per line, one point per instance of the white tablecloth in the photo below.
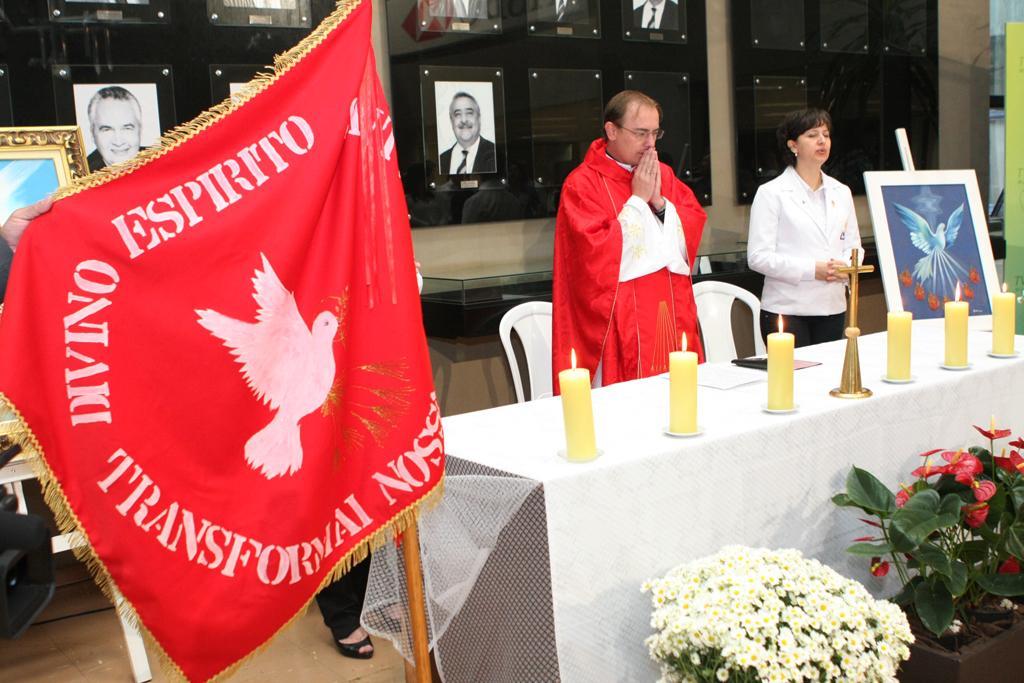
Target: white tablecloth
x,y
651,501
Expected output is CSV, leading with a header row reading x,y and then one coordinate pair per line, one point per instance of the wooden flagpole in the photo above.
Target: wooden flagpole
x,y
417,612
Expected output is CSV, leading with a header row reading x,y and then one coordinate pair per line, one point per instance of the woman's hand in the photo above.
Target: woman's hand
x,y
827,271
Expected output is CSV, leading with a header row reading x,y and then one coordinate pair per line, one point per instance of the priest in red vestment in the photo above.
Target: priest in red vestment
x,y
626,239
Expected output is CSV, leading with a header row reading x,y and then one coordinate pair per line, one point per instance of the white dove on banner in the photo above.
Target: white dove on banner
x,y
288,366
937,265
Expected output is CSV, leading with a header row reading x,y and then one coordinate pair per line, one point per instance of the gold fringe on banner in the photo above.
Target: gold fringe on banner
x,y
19,432
68,523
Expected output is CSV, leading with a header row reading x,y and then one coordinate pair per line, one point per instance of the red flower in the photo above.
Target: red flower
x,y
903,495
905,278
973,275
919,292
1019,443
976,514
1013,464
992,433
1010,566
879,567
983,490
964,465
933,302
926,470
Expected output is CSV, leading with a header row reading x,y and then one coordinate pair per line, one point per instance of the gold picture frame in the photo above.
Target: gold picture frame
x,y
23,179
63,144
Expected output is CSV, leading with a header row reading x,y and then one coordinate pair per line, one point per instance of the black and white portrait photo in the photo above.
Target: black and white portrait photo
x,y
110,11
454,9
117,120
465,127
656,15
564,11
277,13
262,4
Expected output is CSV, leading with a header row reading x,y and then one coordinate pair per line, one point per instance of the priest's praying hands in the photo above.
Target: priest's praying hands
x,y
647,180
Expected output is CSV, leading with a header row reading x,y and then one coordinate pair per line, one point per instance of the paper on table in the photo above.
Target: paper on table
x,y
725,375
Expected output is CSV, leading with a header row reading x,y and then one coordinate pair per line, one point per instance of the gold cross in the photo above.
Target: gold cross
x,y
849,383
853,271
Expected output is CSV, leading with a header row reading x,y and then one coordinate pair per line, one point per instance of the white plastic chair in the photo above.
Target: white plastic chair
x,y
532,322
714,312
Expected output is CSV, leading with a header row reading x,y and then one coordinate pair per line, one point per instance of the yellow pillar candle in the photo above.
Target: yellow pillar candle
x,y
780,370
578,413
956,332
682,382
1004,306
898,342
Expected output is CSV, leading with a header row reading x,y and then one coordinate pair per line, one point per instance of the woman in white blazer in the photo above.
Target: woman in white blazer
x,y
802,227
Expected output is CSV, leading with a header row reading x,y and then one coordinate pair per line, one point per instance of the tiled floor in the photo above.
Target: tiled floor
x,y
78,638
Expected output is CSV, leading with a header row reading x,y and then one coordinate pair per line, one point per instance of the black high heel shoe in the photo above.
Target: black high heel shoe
x,y
352,649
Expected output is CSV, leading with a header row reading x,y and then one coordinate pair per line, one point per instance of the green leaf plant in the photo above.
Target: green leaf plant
x,y
955,536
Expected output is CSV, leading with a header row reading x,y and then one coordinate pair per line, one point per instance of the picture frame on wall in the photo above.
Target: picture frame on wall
x,y
110,11
566,114
463,125
121,109
6,109
564,18
931,235
227,79
458,16
267,13
36,161
654,20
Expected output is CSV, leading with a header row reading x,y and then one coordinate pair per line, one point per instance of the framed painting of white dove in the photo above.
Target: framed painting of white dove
x,y
932,239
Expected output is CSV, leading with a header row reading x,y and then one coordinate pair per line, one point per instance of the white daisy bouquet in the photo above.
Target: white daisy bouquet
x,y
750,614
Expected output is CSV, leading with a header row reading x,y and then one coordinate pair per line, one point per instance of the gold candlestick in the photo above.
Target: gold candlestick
x,y
849,383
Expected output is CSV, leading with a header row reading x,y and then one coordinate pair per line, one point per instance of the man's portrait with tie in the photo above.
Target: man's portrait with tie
x,y
465,127
564,11
454,9
656,15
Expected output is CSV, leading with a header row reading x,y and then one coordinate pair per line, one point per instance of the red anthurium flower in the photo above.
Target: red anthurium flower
x,y
879,567
903,495
1019,443
976,514
964,465
983,490
1010,566
992,434
1013,464
927,470
931,452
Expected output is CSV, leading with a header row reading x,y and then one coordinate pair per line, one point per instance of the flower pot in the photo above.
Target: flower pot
x,y
999,659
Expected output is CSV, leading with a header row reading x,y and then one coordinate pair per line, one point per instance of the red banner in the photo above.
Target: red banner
x,y
218,350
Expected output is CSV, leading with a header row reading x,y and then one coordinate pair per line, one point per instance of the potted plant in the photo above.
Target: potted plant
x,y
750,615
955,538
